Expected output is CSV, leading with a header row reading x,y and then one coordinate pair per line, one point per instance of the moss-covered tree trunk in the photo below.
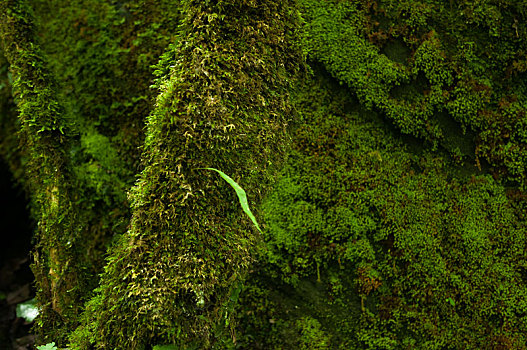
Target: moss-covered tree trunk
x,y
46,138
223,103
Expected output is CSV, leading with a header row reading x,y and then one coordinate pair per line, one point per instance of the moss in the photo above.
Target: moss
x,y
102,53
84,57
428,257
468,54
397,220
46,134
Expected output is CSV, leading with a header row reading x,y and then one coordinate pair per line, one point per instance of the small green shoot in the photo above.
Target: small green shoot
x,y
242,196
48,346
27,310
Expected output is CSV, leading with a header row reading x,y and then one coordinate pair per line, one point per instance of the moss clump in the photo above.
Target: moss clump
x,y
461,62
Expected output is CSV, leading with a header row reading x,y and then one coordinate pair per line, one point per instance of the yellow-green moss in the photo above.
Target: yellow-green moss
x,y
462,62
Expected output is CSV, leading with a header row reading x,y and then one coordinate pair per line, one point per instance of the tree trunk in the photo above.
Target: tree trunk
x,y
47,139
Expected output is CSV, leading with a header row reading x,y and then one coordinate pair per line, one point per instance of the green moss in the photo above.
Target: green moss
x,y
427,256
468,54
102,53
312,335
47,135
83,58
397,220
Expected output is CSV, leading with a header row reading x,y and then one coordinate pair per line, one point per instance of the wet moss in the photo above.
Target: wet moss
x,y
384,247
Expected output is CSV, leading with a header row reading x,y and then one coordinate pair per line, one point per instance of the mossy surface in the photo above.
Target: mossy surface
x,y
433,67
46,135
371,245
82,98
398,221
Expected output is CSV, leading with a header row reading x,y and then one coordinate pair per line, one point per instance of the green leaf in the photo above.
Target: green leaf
x,y
27,310
242,196
48,346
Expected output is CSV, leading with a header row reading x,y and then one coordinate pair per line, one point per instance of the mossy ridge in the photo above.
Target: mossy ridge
x,y
224,104
469,56
437,258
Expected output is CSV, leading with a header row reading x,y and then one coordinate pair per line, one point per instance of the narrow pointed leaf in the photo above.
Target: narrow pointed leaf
x,y
242,196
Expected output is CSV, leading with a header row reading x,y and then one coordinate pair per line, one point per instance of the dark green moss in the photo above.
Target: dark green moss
x,y
102,55
428,257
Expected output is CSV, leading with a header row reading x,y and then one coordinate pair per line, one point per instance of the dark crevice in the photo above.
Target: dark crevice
x,y
16,278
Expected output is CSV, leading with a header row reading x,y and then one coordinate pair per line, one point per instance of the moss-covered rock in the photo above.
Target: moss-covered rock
x,y
449,73
376,244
